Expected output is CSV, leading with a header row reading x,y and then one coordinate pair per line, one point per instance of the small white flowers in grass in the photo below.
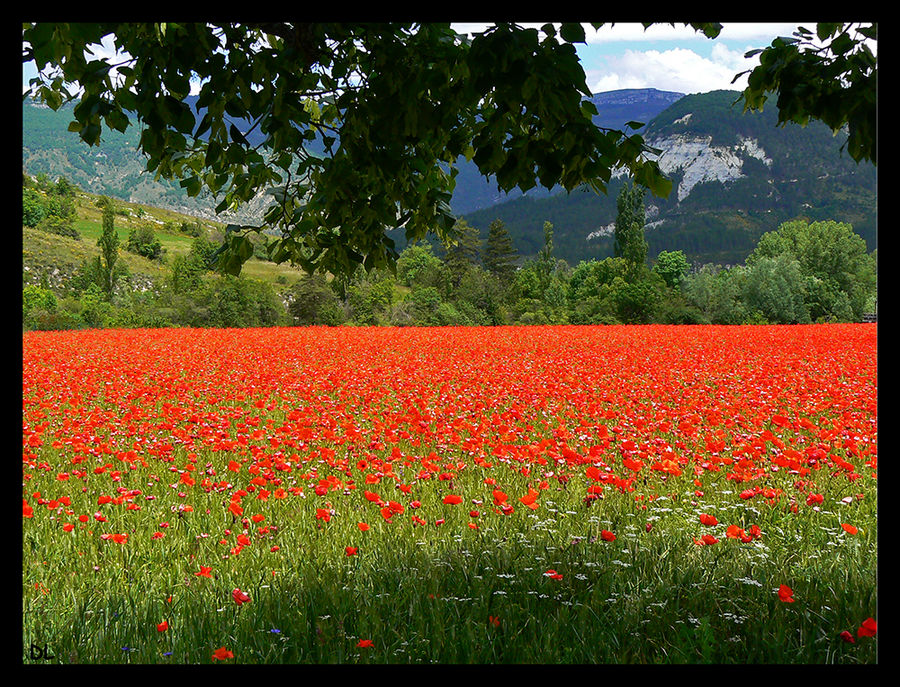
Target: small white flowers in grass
x,y
749,581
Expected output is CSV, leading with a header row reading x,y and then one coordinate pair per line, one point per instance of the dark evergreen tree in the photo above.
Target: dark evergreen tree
x,y
499,256
463,254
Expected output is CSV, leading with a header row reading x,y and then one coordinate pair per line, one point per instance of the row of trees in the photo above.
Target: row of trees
x,y
801,272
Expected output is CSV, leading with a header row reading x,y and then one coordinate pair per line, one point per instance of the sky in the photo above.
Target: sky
x,y
669,58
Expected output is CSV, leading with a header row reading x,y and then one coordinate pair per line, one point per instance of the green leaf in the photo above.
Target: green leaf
x,y
192,184
825,30
572,32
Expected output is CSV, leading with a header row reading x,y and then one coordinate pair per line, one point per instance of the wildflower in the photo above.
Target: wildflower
x,y
240,597
350,550
222,654
786,594
848,528
847,637
606,535
365,643
735,532
163,626
868,628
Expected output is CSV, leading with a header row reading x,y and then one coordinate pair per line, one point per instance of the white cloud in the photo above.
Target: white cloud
x,y
747,31
676,69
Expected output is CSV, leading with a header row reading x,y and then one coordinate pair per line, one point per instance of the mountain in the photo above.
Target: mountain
x,y
116,168
735,176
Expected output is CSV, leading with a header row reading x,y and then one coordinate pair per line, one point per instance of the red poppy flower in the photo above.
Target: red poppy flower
x,y
868,628
452,499
204,572
363,526
222,654
530,498
553,575
163,626
786,594
708,520
365,643
735,532
240,597
606,535
350,550
848,528
847,637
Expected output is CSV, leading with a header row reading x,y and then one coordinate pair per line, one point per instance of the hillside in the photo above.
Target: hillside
x,y
735,177
115,168
57,258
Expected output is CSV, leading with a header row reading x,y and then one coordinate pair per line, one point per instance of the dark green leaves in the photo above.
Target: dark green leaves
x,y
234,252
834,83
572,33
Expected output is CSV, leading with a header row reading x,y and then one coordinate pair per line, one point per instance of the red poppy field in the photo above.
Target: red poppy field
x,y
619,494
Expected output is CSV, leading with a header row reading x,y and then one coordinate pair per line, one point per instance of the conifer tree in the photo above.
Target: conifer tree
x,y
499,255
464,253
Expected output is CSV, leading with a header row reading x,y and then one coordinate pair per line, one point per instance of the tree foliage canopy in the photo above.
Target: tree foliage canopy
x,y
830,76
352,129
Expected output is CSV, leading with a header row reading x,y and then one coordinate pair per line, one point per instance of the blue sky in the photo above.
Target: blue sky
x,y
670,58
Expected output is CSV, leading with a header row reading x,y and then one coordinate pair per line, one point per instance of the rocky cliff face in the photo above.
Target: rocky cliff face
x,y
700,161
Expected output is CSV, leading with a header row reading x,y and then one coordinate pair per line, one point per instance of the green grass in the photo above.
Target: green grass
x,y
425,594
43,251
